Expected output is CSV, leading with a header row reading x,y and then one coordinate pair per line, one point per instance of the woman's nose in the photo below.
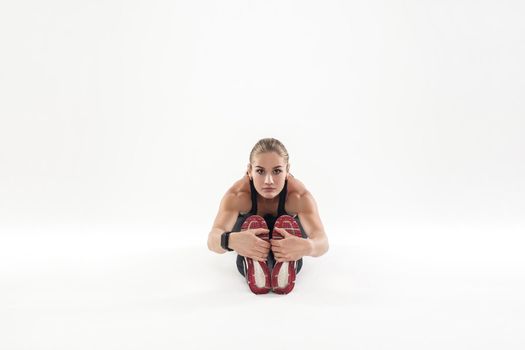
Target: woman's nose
x,y
268,179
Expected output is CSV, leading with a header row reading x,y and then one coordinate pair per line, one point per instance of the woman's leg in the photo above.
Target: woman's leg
x,y
284,273
236,228
304,235
256,272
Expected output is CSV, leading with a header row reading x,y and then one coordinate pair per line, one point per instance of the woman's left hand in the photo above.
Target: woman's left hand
x,y
289,248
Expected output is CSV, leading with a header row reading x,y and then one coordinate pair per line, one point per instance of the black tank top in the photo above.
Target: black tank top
x,y
269,218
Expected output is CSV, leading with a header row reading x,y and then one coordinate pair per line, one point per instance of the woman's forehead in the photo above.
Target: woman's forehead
x,y
268,160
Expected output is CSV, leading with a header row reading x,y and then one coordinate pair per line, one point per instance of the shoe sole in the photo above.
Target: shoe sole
x,y
283,273
257,272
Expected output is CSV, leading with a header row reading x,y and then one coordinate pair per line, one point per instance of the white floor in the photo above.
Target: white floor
x,y
399,288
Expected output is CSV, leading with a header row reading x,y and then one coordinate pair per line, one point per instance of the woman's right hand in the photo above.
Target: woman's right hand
x,y
247,244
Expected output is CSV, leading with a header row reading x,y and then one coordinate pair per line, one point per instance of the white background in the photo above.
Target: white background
x,y
122,124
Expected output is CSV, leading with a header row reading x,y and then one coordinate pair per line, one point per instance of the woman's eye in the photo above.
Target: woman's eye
x,y
260,171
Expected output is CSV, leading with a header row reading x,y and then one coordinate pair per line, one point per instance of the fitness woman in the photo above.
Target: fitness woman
x,y
270,220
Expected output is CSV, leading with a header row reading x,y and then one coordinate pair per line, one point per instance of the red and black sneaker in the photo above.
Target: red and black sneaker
x,y
283,273
257,272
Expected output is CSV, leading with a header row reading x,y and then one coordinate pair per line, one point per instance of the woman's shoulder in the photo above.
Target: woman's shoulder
x,y
296,197
239,195
295,187
240,186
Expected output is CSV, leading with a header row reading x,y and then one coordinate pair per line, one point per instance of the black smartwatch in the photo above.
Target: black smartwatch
x,y
225,239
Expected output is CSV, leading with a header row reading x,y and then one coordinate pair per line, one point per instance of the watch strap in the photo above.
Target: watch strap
x,y
225,240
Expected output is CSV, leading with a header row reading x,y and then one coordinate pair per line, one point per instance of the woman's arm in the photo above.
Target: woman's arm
x,y
311,222
224,221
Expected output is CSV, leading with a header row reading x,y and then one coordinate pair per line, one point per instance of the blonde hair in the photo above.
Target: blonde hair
x,y
270,145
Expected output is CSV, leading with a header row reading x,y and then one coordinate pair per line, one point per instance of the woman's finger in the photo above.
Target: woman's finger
x,y
263,243
277,250
259,250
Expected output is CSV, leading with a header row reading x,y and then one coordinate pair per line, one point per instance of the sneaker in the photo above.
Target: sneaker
x,y
284,273
257,272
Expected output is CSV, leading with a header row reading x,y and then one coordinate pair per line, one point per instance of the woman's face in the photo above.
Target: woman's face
x,y
268,172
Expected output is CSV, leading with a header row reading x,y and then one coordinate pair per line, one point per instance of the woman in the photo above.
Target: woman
x,y
270,220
